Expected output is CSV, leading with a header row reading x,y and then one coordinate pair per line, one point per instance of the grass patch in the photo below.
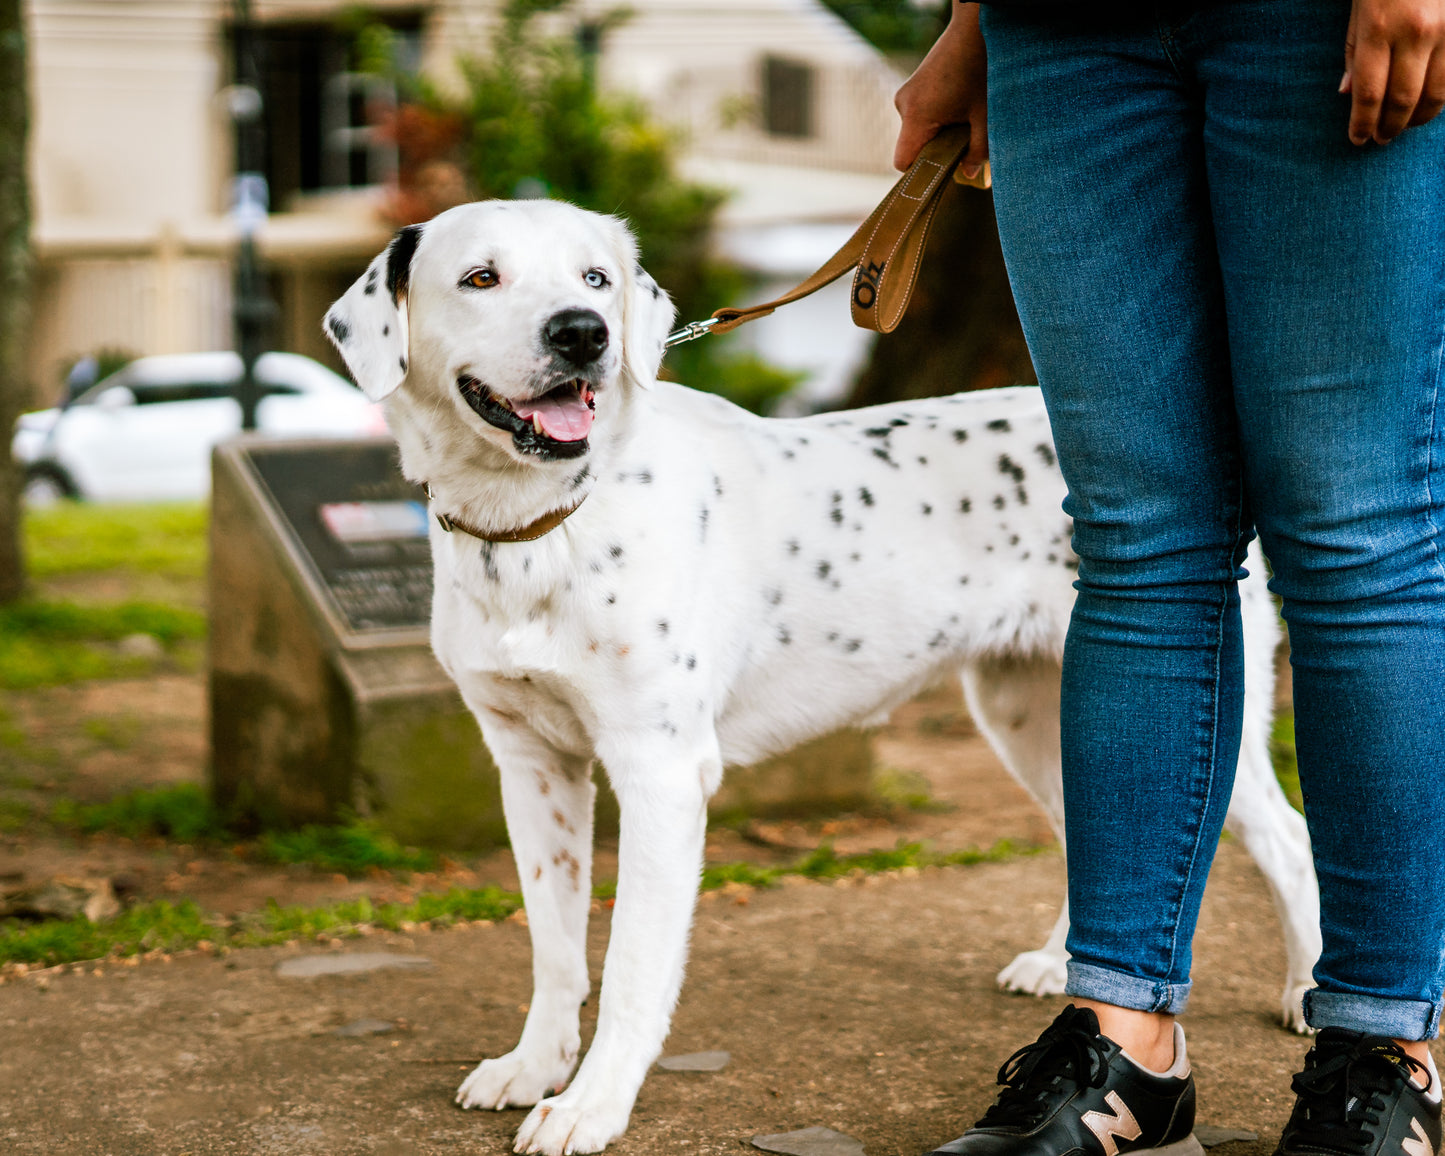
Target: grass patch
x,y
1282,753
183,813
353,849
80,538
901,790
167,927
46,643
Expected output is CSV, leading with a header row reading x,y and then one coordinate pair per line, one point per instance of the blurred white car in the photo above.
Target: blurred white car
x,y
145,433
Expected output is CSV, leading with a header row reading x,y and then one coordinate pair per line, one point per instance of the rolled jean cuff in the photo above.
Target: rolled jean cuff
x,y
1128,991
1400,1019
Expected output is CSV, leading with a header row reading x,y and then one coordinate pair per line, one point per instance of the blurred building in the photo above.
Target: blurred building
x,y
133,155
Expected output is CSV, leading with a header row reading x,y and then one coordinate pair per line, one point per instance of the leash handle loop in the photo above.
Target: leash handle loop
x,y
884,252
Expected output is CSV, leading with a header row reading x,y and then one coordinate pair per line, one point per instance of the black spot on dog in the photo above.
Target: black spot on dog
x,y
964,505
662,626
339,329
898,421
401,361
1052,558
802,441
702,517
884,455
1000,425
386,330
581,476
644,476
717,489
611,598
370,287
865,495
691,662
1046,452
783,636
792,545
855,557
836,514
1024,557
489,562
1006,465
527,564
937,640
1021,496
999,502
852,644
789,455
922,461
398,260
824,569
881,431
616,552
927,509
656,292
963,581
1071,563
833,637
773,597
960,435
1013,540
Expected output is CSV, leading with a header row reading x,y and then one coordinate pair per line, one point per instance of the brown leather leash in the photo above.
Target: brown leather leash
x,y
884,252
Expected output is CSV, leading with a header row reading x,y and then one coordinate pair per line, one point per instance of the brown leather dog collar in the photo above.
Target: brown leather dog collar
x,y
528,533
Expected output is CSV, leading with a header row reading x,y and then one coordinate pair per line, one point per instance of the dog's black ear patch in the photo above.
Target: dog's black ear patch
x,y
339,329
398,260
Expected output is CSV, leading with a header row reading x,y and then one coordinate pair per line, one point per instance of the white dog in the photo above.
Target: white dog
x,y
725,587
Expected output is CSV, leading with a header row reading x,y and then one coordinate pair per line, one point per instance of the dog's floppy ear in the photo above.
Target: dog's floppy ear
x,y
647,316
368,325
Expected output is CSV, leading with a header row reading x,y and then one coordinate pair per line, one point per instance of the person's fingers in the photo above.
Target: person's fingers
x,y
911,138
1432,96
977,155
1369,81
1408,65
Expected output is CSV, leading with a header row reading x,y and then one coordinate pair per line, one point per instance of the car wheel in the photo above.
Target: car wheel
x,y
47,485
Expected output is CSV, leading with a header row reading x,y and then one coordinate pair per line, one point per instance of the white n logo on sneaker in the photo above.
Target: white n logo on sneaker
x,y
1418,1144
1123,1125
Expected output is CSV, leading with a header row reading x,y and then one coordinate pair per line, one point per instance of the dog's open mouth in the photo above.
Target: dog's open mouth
x,y
553,425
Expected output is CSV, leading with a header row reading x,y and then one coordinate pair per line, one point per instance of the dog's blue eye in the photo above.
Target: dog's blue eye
x,y
596,278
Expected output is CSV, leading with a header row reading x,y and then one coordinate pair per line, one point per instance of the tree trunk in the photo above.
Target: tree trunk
x,y
14,281
961,331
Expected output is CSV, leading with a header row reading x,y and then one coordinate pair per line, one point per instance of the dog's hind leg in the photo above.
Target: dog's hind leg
x,y
547,798
1015,704
662,789
1260,816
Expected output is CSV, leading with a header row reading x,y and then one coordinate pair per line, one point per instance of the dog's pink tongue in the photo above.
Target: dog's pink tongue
x,y
566,420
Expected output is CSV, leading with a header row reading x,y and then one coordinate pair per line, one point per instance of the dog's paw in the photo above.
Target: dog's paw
x,y
1292,1008
513,1080
1035,973
572,1123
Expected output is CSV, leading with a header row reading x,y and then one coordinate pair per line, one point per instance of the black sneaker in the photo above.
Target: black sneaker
x,y
1074,1091
1356,1098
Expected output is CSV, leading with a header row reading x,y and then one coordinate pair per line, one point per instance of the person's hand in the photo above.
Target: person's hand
x,y
1394,66
949,87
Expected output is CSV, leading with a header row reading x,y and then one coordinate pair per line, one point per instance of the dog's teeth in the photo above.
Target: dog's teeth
x,y
537,422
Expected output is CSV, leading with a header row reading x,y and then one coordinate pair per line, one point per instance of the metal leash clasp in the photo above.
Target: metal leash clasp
x,y
690,332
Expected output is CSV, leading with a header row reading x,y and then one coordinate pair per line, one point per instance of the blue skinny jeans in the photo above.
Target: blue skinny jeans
x,y
1236,317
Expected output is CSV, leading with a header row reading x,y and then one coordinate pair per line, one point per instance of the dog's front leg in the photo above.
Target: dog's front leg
x,y
547,798
663,802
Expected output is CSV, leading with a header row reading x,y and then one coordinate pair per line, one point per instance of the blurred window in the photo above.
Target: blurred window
x,y
787,97
320,114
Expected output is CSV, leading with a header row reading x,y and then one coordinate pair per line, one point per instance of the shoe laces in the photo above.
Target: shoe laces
x,y
1342,1094
1070,1051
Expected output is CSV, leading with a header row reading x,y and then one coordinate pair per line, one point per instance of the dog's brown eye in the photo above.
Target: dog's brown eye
x,y
481,278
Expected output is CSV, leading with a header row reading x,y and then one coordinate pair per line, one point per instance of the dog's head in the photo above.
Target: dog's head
x,y
523,315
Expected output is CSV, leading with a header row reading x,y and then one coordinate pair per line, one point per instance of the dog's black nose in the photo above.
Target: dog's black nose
x,y
576,335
